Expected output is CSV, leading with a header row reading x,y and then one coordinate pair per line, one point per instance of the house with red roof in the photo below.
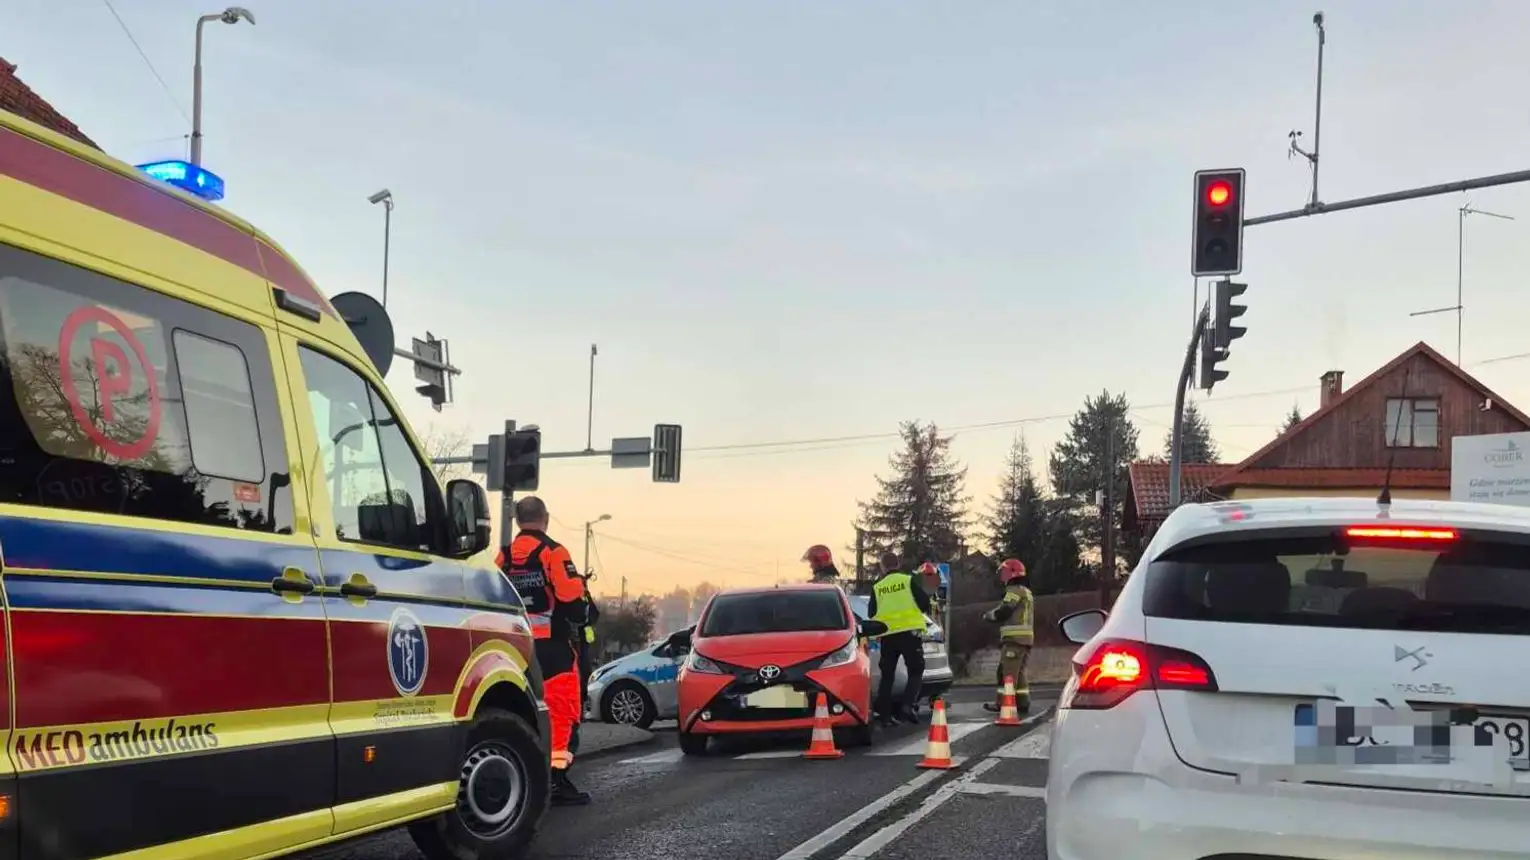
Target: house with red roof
x,y
1403,415
18,98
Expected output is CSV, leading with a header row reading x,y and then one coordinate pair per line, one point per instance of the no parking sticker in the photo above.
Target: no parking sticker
x,y
115,374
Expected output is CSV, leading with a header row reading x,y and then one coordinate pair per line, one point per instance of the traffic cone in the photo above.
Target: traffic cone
x,y
822,745
938,754
1009,714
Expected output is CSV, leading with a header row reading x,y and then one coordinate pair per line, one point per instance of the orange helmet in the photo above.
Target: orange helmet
x,y
1010,570
929,569
818,556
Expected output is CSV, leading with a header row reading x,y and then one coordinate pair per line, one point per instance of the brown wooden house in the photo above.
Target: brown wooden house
x,y
1405,413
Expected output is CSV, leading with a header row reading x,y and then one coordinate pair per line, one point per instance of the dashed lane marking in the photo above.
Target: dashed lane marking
x,y
868,847
1001,788
1035,745
918,745
661,757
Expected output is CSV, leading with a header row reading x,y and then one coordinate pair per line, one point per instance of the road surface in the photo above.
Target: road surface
x,y
761,801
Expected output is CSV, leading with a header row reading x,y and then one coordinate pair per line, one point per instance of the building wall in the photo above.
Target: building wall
x,y
1353,435
1297,492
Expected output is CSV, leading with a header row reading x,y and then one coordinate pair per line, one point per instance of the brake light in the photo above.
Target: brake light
x,y
1400,533
1118,668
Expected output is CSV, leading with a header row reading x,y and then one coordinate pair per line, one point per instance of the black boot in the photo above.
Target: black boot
x,y
564,792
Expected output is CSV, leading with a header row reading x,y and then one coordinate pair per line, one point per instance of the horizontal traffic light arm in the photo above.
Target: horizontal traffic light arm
x,y
1395,197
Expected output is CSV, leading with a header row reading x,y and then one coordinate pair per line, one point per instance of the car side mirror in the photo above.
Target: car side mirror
x,y
1080,627
467,507
871,627
678,642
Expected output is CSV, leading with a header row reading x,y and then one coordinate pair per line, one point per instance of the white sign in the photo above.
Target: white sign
x,y
1493,469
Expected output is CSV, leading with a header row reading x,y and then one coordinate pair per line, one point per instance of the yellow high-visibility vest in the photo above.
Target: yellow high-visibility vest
x,y
895,604
1019,627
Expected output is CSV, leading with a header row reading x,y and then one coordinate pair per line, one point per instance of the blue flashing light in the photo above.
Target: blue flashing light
x,y
188,177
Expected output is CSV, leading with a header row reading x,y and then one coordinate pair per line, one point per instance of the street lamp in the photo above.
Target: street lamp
x,y
231,15
1460,306
385,197
589,532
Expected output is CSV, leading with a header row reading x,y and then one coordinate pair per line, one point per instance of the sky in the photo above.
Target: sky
x,y
802,221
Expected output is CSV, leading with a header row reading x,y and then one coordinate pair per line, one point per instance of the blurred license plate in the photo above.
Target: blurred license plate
x,y
1318,728
776,697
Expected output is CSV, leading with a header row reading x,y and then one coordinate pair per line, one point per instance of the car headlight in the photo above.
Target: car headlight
x,y
934,646
698,663
844,656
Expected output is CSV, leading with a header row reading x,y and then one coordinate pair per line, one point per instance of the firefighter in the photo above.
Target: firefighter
x,y
1016,635
900,602
542,570
821,562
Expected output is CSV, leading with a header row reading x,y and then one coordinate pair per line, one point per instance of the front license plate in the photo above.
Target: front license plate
x,y
776,697
1382,736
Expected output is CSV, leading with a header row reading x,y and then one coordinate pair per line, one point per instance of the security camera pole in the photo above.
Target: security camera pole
x,y
231,15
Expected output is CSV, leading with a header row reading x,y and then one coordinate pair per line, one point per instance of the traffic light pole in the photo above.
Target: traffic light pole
x,y
1394,197
1176,444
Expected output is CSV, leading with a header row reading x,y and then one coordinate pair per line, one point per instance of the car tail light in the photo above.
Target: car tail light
x,y
1118,668
1404,534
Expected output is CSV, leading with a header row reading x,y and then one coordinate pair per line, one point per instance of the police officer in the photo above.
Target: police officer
x,y
587,642
900,602
542,570
821,562
1016,635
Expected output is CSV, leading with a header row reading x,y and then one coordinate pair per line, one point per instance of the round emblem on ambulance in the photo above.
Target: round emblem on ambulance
x,y
408,652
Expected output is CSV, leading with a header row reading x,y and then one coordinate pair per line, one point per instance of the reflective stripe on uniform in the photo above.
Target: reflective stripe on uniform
x,y
895,604
562,759
589,635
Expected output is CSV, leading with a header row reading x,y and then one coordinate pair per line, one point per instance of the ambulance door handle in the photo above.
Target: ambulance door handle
x,y
358,588
292,581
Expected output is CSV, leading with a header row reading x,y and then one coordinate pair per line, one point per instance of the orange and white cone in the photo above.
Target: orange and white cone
x,y
937,754
822,745
1009,713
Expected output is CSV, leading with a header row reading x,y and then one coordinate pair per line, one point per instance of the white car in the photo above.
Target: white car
x,y
1329,679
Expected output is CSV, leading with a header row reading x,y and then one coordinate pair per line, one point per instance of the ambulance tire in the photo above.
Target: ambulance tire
x,y
497,741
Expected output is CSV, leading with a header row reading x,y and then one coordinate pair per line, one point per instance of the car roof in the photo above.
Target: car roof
x,y
1188,522
776,589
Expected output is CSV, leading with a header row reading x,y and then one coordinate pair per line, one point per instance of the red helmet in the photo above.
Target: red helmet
x,y
1010,570
929,569
818,556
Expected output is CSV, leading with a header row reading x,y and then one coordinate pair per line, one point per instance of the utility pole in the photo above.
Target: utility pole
x,y
589,438
1317,121
231,15
1177,440
860,554
589,534
1108,515
624,593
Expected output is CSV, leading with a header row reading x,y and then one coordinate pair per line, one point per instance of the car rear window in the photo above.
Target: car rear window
x,y
1466,585
774,612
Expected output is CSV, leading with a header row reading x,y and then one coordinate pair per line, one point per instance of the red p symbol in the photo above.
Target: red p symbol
x,y
116,379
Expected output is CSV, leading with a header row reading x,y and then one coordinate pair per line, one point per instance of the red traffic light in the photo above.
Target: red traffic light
x,y
1219,193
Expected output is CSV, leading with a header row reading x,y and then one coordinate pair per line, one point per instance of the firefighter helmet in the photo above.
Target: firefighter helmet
x,y
818,556
929,569
1012,569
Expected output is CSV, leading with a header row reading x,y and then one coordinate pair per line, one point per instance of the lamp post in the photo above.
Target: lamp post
x,y
589,532
385,197
231,15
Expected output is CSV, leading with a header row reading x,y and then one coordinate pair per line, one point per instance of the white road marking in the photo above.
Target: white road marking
x,y
997,788
661,757
838,830
869,846
917,746
769,754
1035,745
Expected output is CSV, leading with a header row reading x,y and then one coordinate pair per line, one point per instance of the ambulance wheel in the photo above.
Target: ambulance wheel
x,y
693,744
502,796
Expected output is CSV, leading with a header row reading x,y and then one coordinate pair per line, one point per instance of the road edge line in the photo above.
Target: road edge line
x,y
840,829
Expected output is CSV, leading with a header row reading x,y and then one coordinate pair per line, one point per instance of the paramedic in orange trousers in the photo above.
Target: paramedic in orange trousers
x,y
542,570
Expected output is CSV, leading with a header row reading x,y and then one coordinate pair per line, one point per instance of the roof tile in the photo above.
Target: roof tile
x,y
1150,484
18,98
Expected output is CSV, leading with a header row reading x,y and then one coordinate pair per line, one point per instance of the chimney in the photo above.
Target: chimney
x,y
1331,385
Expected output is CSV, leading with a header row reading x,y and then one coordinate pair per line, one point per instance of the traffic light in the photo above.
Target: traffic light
x,y
1217,247
1223,331
1211,356
666,453
523,459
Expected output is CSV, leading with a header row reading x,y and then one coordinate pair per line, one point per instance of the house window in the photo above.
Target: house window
x,y
1413,423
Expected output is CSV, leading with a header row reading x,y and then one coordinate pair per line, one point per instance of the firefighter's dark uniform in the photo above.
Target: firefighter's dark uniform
x,y
826,575
1016,636
542,571
900,602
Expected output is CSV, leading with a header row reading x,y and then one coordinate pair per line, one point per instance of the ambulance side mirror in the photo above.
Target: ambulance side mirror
x,y
468,508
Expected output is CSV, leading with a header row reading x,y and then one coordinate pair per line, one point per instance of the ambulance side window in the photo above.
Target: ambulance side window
x,y
379,489
119,400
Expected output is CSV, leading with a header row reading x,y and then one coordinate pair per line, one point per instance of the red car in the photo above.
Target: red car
x,y
759,657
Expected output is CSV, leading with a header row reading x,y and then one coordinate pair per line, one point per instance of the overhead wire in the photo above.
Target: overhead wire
x,y
169,93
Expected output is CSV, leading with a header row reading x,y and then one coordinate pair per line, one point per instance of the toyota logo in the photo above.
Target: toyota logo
x,y
770,672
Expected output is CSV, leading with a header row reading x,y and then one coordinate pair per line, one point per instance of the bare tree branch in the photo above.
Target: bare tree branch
x,y
442,442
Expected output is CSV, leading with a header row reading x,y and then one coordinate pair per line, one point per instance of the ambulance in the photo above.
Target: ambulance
x,y
241,618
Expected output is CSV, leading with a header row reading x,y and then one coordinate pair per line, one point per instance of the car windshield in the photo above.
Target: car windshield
x,y
1465,585
774,612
